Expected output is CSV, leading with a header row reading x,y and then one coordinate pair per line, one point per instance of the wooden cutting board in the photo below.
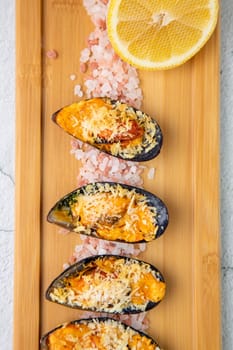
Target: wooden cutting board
x,y
185,101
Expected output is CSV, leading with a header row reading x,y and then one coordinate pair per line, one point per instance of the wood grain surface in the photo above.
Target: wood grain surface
x,y
185,101
28,175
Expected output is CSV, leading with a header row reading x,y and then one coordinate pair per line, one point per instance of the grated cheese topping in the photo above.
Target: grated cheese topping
x,y
111,284
105,334
113,127
114,213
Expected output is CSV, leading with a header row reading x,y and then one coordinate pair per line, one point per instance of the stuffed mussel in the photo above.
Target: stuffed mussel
x,y
113,127
98,333
112,211
109,283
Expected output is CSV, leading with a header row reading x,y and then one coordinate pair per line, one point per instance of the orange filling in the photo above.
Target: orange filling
x,y
146,288
80,336
97,122
115,218
134,132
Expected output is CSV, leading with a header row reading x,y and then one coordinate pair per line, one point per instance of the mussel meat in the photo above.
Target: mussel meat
x,y
109,283
112,211
113,127
98,333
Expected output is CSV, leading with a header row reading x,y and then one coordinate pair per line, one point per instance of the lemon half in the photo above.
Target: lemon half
x,y
160,34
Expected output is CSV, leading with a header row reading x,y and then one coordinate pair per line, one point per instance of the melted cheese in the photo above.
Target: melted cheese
x,y
115,214
103,335
88,120
111,284
98,119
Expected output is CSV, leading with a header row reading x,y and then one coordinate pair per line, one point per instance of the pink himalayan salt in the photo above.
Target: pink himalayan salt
x,y
52,54
99,166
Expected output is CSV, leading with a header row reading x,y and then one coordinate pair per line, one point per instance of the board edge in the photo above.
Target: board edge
x,y
28,176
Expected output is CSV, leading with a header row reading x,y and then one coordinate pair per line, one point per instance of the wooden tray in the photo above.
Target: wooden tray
x,y
185,101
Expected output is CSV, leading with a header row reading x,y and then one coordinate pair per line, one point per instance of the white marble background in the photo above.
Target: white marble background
x,y
7,137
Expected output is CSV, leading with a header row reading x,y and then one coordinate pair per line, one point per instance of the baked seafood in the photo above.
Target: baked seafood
x,y
97,333
112,211
109,283
113,127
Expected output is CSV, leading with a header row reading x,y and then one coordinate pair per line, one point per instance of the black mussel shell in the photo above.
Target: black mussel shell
x,y
118,275
63,215
143,144
95,324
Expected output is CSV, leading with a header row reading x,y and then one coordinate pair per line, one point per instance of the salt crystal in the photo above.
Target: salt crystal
x,y
72,77
91,249
95,73
106,88
101,251
78,91
52,54
142,246
78,248
90,84
79,154
115,166
133,169
85,54
103,164
65,266
151,173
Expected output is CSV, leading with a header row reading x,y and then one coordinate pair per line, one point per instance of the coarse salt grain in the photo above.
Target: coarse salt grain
x,y
105,167
78,90
151,173
52,54
94,246
85,54
137,321
72,76
66,266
